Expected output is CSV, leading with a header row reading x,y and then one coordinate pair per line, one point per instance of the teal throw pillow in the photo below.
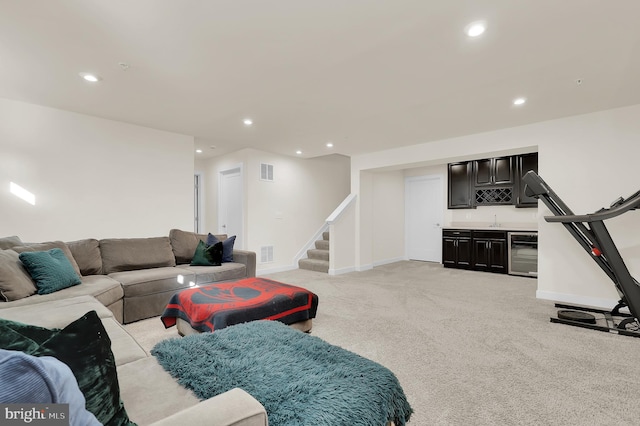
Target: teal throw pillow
x,y
227,246
86,348
207,255
51,270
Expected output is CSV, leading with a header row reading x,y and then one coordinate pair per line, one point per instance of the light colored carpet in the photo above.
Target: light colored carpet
x,y
469,348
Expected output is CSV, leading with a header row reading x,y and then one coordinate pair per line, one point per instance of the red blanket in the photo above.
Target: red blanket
x,y
219,305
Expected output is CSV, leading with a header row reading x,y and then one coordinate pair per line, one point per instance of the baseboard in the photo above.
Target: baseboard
x,y
387,261
574,299
341,271
276,269
364,267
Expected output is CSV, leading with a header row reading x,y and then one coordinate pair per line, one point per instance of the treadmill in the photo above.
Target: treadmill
x,y
592,235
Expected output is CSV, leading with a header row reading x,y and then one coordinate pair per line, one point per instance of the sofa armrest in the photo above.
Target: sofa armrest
x,y
249,260
232,408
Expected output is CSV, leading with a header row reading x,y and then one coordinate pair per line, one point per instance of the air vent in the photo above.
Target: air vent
x,y
266,254
266,172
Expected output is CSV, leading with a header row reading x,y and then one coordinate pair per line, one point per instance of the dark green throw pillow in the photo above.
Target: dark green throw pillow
x,y
207,255
51,270
86,348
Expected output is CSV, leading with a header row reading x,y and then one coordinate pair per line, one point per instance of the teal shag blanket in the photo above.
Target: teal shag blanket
x,y
298,378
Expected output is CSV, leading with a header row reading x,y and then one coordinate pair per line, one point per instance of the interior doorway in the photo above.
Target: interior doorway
x,y
230,204
424,213
197,203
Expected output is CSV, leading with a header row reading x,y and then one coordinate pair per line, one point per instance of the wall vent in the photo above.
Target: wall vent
x,y
266,172
266,254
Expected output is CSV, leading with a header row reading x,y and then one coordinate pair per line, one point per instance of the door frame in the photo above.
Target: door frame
x,y
221,173
440,198
198,210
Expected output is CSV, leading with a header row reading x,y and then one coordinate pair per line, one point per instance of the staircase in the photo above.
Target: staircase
x,y
318,258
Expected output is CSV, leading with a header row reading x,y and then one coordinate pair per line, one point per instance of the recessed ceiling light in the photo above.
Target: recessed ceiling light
x,y
247,121
475,29
519,101
199,151
93,78
329,145
298,152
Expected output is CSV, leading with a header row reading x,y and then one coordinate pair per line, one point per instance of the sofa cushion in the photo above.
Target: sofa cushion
x,y
227,246
9,242
85,347
87,255
48,246
59,313
15,282
184,243
209,274
149,281
144,382
129,254
207,255
103,288
51,270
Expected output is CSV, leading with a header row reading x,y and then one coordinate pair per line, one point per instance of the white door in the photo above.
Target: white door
x,y
230,196
423,218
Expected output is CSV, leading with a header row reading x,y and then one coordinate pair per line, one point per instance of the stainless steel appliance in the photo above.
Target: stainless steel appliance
x,y
523,253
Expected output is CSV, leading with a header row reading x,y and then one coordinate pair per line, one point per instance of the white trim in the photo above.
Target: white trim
x,y
222,172
367,267
341,208
275,270
199,202
341,271
387,261
576,299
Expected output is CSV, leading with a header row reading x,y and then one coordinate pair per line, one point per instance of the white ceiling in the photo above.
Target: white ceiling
x,y
364,74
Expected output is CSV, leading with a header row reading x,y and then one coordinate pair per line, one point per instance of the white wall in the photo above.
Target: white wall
x,y
342,241
589,160
388,217
287,212
91,177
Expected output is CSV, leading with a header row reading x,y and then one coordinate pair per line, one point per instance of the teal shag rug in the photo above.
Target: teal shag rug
x,y
298,378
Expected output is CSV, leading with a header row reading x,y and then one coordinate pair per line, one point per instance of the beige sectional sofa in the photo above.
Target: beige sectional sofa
x,y
126,280
133,277
150,395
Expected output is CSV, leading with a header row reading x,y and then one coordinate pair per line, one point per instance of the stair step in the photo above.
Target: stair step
x,y
314,265
325,235
318,254
322,245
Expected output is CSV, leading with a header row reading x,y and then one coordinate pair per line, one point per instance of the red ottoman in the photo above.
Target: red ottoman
x,y
215,306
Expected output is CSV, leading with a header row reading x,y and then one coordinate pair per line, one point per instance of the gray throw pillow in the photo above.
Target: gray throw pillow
x,y
9,242
15,282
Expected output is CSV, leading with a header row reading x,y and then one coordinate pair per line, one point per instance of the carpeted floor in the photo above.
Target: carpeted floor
x,y
468,347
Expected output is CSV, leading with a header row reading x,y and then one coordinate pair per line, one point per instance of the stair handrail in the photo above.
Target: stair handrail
x,y
341,208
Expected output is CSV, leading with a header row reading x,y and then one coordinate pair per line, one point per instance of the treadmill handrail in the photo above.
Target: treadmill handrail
x,y
630,204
